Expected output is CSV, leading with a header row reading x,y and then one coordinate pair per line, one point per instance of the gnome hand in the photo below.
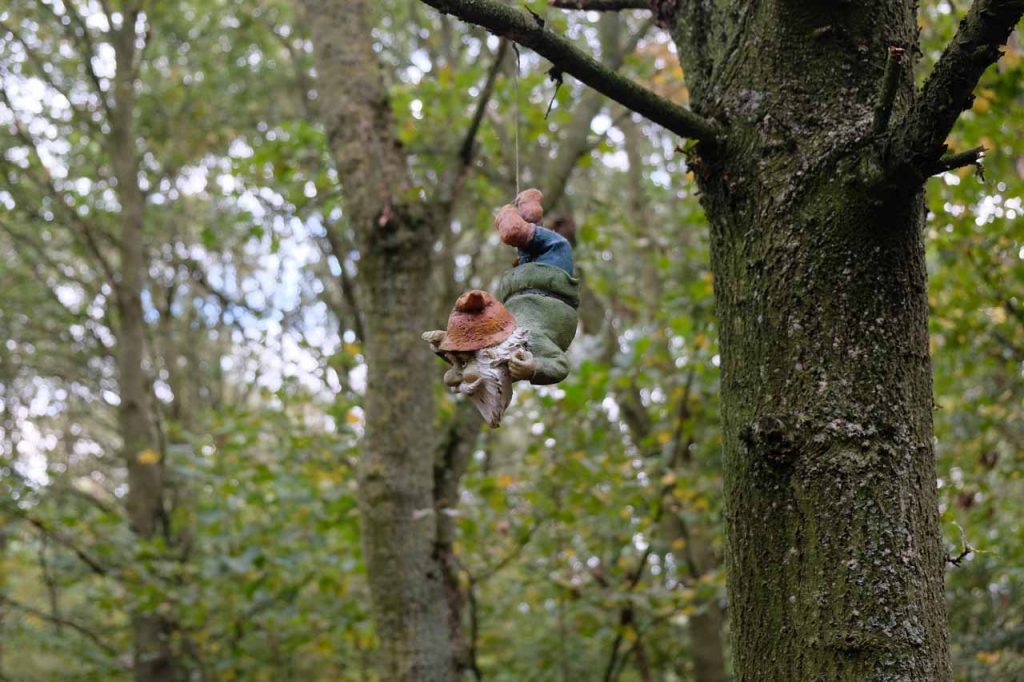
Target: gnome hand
x,y
434,338
527,203
522,365
512,229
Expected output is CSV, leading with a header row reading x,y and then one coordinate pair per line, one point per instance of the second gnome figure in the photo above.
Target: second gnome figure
x,y
522,332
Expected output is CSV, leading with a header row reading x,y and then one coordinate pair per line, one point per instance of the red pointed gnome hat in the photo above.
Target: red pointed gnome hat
x,y
477,321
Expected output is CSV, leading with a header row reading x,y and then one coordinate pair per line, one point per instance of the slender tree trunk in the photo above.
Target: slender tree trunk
x,y
396,232
152,652
451,464
707,643
8,448
396,468
834,550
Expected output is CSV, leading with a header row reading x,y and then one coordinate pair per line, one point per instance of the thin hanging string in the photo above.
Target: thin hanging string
x,y
515,107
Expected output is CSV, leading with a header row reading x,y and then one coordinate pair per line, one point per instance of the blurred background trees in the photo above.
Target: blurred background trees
x,y
181,235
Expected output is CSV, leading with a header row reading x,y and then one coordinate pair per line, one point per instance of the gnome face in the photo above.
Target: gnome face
x,y
484,378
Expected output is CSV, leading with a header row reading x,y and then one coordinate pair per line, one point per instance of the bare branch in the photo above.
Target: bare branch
x,y
600,5
887,92
340,249
85,230
57,620
947,92
529,31
40,67
971,157
575,142
468,147
60,538
78,31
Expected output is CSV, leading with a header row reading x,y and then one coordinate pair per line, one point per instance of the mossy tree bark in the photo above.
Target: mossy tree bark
x,y
396,231
834,548
811,161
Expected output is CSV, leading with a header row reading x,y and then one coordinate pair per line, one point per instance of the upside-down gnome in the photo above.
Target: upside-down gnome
x,y
522,332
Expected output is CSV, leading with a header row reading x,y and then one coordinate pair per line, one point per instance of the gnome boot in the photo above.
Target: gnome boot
x,y
512,229
528,203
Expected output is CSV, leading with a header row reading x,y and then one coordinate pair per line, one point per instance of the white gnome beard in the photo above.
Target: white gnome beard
x,y
492,394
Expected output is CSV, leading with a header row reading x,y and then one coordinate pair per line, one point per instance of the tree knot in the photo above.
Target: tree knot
x,y
771,438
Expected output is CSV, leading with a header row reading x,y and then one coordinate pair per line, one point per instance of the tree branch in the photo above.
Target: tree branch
x,y
970,157
600,5
947,92
529,31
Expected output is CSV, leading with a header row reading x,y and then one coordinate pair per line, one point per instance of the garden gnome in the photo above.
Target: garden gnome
x,y
522,332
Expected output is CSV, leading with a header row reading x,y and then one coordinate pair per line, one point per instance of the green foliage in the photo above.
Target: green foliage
x,y
976,262
570,516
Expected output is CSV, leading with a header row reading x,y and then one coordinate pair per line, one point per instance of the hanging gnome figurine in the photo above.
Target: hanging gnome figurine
x,y
522,332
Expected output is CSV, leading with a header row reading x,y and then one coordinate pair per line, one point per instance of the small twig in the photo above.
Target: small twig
x,y
887,91
967,548
555,74
487,574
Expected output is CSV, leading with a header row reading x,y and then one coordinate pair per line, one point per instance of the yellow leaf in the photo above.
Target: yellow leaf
x,y
981,105
148,456
504,481
989,657
663,437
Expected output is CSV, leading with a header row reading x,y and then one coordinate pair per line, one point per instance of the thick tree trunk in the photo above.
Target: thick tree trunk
x,y
396,469
396,236
834,551
153,658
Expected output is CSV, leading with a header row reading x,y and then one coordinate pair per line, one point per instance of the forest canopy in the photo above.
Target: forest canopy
x,y
199,323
